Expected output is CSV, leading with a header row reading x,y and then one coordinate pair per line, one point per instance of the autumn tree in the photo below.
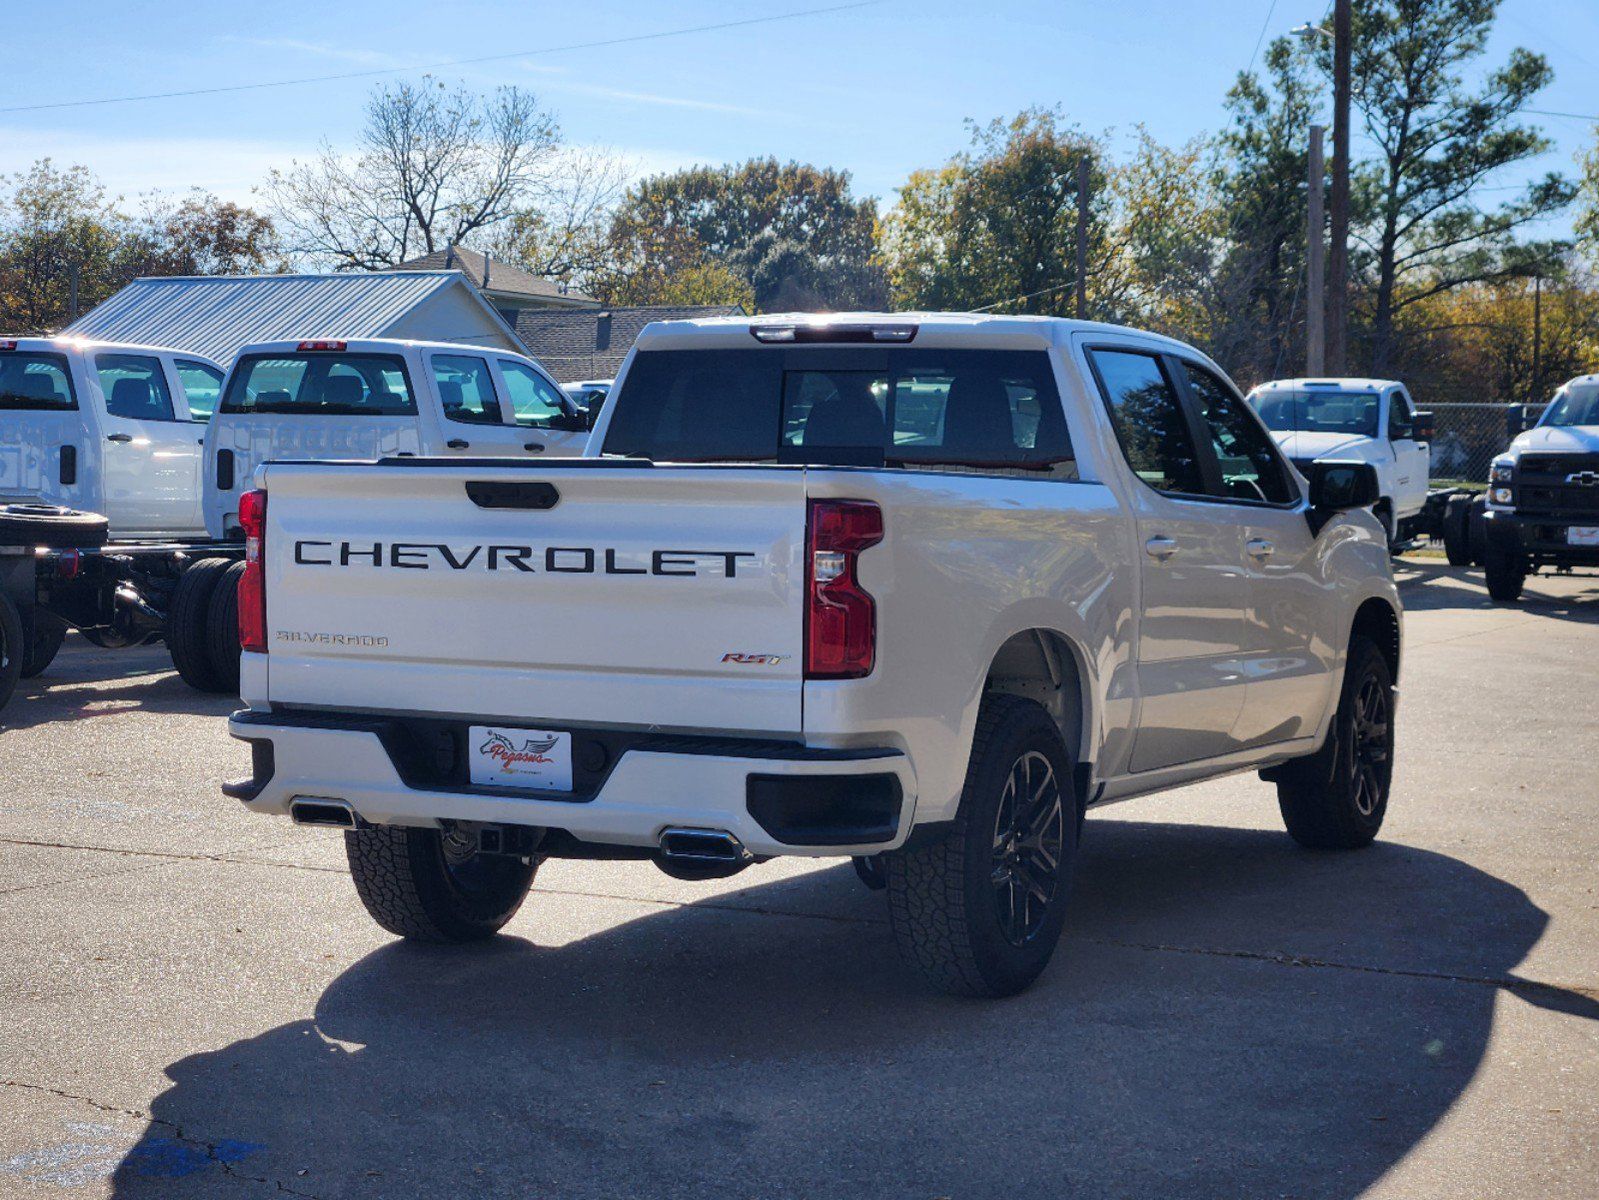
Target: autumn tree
x,y
1587,223
56,225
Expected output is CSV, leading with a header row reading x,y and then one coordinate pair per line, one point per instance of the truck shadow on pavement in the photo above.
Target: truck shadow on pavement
x,y
1431,585
1228,1016
86,682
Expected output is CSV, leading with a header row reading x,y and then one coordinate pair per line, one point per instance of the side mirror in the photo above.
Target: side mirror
x,y
591,412
1425,428
1337,487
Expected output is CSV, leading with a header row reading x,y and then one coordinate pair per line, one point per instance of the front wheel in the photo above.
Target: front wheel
x,y
1336,798
1506,572
978,911
432,885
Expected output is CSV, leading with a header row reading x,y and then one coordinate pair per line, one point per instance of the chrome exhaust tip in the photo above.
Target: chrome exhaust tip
x,y
320,811
702,846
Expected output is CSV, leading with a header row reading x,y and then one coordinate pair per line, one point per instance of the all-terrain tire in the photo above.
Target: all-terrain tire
x,y
222,630
1506,573
187,615
49,631
411,888
11,648
1457,536
30,524
946,904
1477,530
1336,798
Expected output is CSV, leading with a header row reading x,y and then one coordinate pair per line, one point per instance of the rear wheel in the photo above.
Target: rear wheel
x,y
979,910
434,885
1336,798
49,631
1457,537
1506,571
29,524
11,650
222,630
185,631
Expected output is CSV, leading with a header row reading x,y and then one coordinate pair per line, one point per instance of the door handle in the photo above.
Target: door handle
x,y
119,437
1259,549
534,446
458,443
1160,548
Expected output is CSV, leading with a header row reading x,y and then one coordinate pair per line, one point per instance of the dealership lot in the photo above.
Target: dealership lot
x,y
193,1002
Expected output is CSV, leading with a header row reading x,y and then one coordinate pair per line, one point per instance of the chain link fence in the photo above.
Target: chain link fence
x,y
1467,437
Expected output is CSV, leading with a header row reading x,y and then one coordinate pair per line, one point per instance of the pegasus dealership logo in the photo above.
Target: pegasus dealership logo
x,y
502,750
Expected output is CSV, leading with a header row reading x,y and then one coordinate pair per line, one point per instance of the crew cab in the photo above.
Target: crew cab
x,y
375,398
107,428
1365,420
918,589
1542,504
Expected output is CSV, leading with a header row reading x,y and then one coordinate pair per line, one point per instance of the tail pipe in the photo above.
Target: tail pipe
x,y
334,814
701,854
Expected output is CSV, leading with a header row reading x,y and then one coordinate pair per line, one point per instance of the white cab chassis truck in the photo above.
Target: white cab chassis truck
x,y
1541,510
916,589
100,450
1357,420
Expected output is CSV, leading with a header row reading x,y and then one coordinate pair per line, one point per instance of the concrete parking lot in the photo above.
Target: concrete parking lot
x,y
193,1002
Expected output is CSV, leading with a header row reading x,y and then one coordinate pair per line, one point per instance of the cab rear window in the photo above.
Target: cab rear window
x,y
35,380
961,410
330,385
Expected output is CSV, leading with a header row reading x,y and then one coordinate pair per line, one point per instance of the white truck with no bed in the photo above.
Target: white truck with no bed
x,y
916,589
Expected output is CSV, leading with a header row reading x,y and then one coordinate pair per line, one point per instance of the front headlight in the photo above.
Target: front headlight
x,y
1501,495
1501,472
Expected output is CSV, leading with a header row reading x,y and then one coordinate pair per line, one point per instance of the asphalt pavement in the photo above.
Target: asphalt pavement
x,y
194,1004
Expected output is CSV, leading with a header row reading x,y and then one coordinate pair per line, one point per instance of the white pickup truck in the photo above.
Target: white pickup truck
x,y
917,589
378,398
1542,504
1366,420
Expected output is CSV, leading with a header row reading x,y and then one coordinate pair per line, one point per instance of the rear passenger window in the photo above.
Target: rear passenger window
x,y
466,389
34,381
134,387
202,387
1251,468
1149,421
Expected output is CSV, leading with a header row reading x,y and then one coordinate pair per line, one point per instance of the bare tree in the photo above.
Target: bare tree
x,y
434,166
565,234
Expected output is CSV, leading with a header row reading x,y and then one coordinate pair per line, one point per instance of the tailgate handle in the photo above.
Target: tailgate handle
x,y
485,494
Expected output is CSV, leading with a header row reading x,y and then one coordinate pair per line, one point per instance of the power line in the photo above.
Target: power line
x,y
1016,299
457,62
1544,112
1264,25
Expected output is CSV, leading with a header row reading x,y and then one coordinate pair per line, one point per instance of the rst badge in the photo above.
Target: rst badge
x,y
739,659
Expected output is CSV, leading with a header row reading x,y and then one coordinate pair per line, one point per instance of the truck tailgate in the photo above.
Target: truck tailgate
x,y
590,594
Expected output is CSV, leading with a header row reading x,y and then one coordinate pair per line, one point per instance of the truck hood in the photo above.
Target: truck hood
x,y
1320,445
1563,439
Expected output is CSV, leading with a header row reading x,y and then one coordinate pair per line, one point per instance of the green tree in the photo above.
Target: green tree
x,y
1438,139
1588,210
57,223
203,235
996,225
792,231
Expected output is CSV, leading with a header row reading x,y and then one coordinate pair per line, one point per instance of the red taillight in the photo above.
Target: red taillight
x,y
8,343
840,615
322,344
252,584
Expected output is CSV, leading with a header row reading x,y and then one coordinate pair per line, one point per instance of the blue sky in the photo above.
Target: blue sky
x,y
877,90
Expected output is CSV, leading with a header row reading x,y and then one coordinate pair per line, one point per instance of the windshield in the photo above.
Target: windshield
x,y
1314,411
1577,406
325,385
971,409
35,380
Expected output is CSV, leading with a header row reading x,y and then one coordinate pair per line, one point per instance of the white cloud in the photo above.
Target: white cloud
x,y
348,54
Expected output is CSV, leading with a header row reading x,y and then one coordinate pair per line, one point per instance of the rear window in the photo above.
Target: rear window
x,y
972,410
330,385
35,380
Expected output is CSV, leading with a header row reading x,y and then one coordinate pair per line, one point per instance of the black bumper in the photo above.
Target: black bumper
x,y
1542,538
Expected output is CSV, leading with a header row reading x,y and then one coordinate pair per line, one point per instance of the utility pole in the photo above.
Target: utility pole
x,y
1315,246
1082,237
1338,256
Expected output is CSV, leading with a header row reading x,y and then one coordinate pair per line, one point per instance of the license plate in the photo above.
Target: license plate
x,y
1582,535
524,758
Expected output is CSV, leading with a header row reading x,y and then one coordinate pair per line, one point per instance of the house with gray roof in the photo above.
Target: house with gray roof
x,y
581,345
509,289
217,315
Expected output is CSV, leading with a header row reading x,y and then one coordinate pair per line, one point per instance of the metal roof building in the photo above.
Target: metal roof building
x,y
218,315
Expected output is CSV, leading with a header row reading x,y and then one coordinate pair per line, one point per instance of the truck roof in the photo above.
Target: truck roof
x,y
937,328
1324,383
70,342
375,346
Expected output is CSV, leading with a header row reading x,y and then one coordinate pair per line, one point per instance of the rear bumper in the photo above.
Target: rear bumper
x,y
1541,538
775,798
